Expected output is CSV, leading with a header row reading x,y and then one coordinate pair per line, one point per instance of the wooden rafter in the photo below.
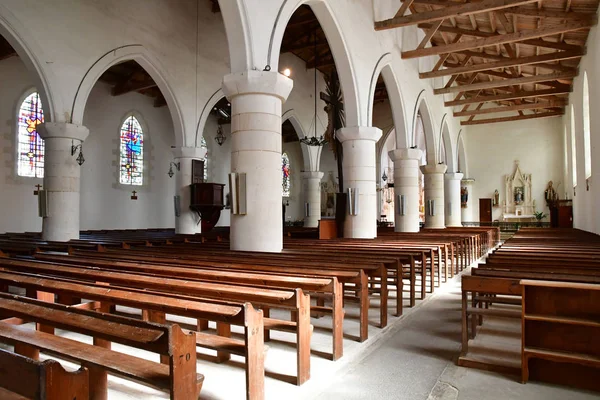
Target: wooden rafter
x,y
514,118
448,11
506,82
524,106
524,94
132,86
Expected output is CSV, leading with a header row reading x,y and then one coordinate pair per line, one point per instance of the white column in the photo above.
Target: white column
x,y
434,190
452,198
256,98
61,179
188,221
406,183
467,212
311,186
359,166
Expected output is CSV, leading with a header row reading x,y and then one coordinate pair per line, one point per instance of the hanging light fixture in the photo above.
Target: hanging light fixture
x,y
314,140
384,177
80,159
171,172
220,138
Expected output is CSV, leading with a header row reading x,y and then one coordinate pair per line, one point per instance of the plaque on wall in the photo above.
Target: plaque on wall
x,y
197,171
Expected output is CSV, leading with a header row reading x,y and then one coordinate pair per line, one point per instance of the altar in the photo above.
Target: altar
x,y
518,218
518,205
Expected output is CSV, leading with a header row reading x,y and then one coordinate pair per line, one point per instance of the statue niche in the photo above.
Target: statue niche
x,y
518,203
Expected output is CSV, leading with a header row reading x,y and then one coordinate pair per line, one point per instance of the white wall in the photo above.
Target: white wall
x,y
493,149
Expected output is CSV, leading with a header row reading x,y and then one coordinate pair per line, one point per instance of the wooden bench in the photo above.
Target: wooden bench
x,y
176,375
22,377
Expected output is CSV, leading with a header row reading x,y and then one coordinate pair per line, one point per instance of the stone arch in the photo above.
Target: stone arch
x,y
29,52
338,46
212,101
309,158
139,54
461,156
423,109
239,37
384,68
446,142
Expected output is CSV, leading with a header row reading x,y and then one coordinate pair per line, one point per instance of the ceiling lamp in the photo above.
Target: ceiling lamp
x,y
220,138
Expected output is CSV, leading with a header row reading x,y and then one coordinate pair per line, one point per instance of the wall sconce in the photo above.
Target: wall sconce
x,y
400,201
237,189
353,201
220,138
134,195
431,206
171,172
80,159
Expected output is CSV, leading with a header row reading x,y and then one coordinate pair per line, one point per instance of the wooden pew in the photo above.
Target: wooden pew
x,y
177,375
22,377
158,304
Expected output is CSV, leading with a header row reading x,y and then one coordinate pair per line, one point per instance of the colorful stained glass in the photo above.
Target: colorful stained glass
x,y
132,152
286,183
205,159
30,148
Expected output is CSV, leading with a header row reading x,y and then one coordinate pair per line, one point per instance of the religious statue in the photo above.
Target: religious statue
x,y
464,196
519,195
496,198
328,190
550,194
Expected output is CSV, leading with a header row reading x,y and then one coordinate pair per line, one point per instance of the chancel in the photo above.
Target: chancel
x,y
299,199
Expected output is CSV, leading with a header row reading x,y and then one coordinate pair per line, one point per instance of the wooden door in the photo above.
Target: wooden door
x,y
565,216
485,210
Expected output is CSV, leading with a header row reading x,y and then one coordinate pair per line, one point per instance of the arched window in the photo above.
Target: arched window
x,y
205,159
573,147
587,145
132,152
286,183
30,147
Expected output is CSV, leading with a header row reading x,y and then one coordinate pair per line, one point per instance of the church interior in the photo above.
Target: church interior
x,y
302,199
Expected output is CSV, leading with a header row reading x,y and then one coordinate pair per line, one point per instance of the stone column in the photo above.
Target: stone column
x,y
188,222
61,179
452,198
406,183
256,98
311,186
467,212
360,172
434,190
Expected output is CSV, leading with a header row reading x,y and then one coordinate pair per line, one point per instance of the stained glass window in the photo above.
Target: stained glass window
x,y
30,145
286,183
204,146
132,152
587,144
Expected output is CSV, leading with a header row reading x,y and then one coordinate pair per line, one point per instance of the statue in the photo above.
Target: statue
x,y
496,198
550,194
519,195
464,196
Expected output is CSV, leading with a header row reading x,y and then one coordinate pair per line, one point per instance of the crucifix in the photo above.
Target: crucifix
x,y
37,191
336,120
134,195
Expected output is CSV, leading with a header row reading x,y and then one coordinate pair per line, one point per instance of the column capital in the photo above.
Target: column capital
x,y
312,174
197,153
63,130
454,176
258,82
405,154
359,133
434,169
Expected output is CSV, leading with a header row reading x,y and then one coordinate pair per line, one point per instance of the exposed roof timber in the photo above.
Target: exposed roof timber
x,y
507,82
132,86
303,46
449,11
496,57
480,34
322,62
524,106
514,118
499,39
429,34
402,10
524,94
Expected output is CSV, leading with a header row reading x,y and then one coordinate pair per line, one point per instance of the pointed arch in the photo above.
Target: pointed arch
x,y
131,151
445,144
461,155
422,109
139,54
309,160
30,146
208,106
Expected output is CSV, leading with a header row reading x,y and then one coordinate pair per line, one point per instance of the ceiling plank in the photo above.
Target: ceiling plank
x,y
506,82
481,34
515,118
525,106
447,12
497,39
506,62
524,94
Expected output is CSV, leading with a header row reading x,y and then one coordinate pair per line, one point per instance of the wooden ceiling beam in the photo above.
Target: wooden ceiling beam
x,y
448,12
323,62
524,106
506,82
288,48
481,34
132,86
505,63
498,39
429,34
524,94
545,13
515,118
